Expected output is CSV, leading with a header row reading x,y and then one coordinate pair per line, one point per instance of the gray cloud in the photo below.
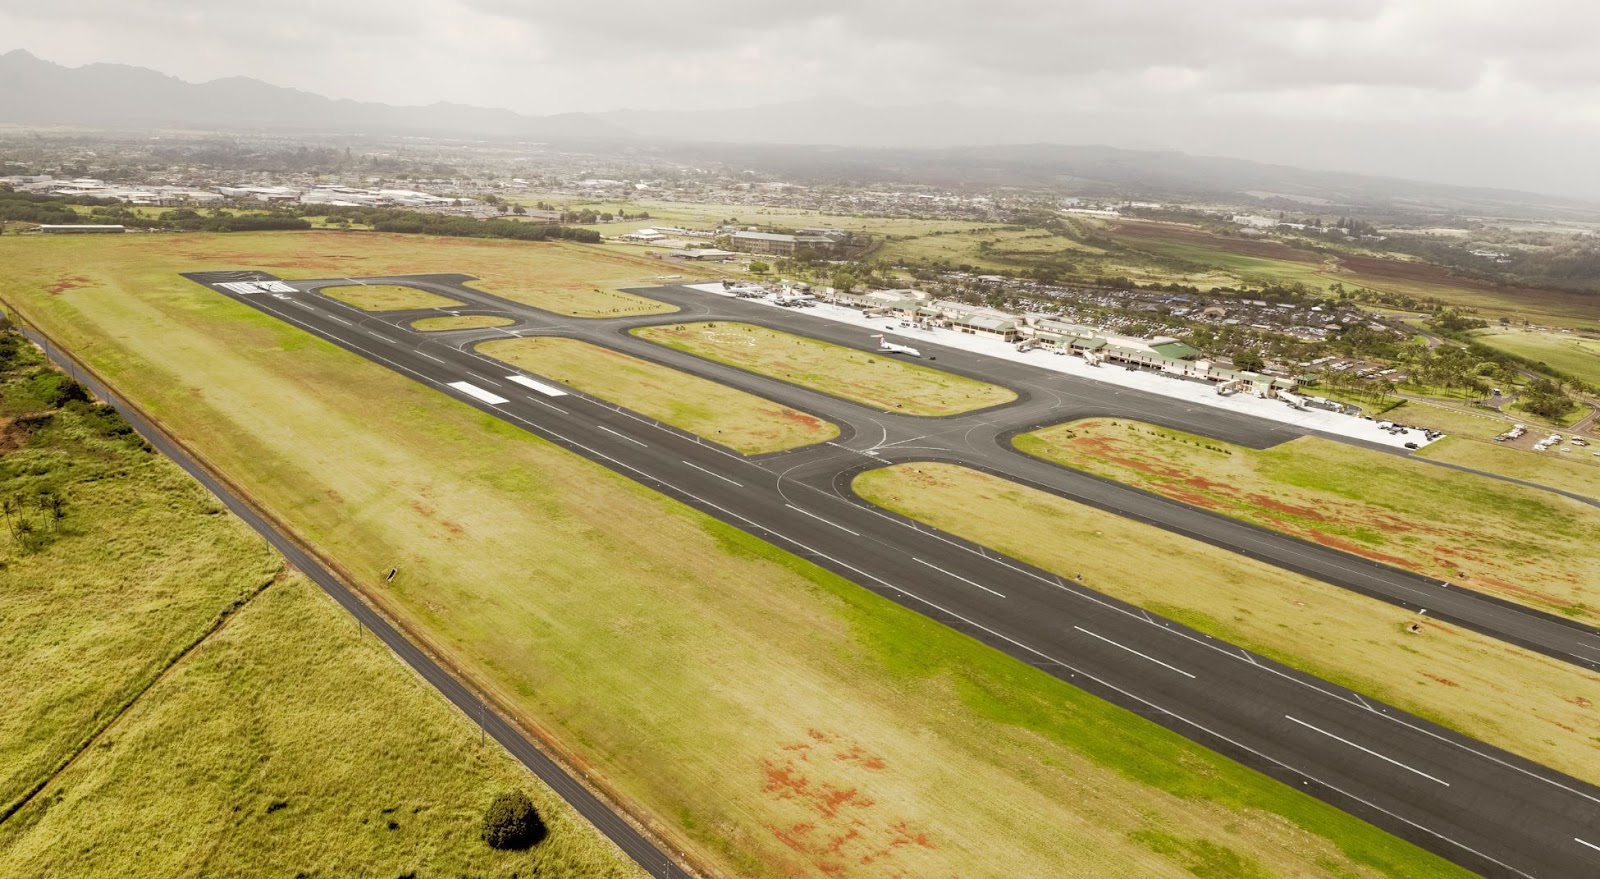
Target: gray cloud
x,y
1411,78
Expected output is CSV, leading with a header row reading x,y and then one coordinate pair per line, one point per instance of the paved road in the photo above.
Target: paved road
x,y
633,843
1484,808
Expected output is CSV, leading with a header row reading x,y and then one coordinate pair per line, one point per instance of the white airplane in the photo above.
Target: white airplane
x,y
892,348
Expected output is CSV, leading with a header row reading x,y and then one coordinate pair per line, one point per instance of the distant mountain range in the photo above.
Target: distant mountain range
x,y
38,92
810,141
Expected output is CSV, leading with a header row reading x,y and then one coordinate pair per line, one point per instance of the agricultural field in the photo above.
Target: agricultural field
x,y
1574,473
866,377
742,422
1572,354
1515,699
1255,259
180,704
990,248
770,718
1242,259
459,322
1521,544
705,216
387,297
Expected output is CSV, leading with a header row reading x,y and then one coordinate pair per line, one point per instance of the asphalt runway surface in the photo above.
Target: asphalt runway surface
x,y
1491,811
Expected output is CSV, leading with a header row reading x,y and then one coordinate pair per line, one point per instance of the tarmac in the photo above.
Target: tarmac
x,y
1484,808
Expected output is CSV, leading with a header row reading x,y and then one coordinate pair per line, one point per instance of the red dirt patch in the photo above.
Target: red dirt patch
x,y
67,282
429,513
842,832
810,422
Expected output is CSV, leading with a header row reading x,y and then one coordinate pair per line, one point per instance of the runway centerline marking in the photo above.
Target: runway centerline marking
x,y
430,357
958,577
382,338
1587,843
819,519
623,435
1134,652
337,318
1367,750
718,475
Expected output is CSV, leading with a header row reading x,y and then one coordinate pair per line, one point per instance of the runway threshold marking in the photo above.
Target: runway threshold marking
x,y
1134,652
958,577
822,520
1365,749
623,435
718,475
541,387
473,390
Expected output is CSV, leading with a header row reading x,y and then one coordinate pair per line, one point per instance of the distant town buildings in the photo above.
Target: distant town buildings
x,y
820,243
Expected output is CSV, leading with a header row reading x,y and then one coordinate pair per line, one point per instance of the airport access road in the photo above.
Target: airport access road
x,y
1489,810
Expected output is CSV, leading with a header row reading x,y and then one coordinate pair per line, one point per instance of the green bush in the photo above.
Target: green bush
x,y
511,822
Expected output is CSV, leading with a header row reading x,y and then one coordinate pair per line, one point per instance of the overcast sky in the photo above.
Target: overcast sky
x,y
1487,92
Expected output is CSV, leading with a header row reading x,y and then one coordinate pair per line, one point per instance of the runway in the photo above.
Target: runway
x,y
1486,809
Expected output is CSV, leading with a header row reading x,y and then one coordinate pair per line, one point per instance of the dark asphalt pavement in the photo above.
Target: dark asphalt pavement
x,y
1489,810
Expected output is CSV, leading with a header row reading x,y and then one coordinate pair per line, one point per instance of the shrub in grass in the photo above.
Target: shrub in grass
x,y
511,822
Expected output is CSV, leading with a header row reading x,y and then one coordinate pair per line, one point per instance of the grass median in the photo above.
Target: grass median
x,y
742,422
459,322
771,718
1521,544
1513,698
869,378
386,297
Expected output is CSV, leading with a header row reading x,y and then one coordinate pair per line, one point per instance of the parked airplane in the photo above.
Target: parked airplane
x,y
892,348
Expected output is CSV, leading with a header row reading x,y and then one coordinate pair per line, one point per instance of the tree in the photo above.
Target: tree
x,y
1249,361
511,822
760,268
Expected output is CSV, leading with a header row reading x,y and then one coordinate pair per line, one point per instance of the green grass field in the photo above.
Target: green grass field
x,y
742,422
169,685
1498,693
287,744
387,297
459,322
140,568
770,718
1578,473
1570,353
1454,420
1517,543
574,279
868,378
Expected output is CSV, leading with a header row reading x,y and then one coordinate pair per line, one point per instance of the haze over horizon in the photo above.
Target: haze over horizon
x,y
1469,93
